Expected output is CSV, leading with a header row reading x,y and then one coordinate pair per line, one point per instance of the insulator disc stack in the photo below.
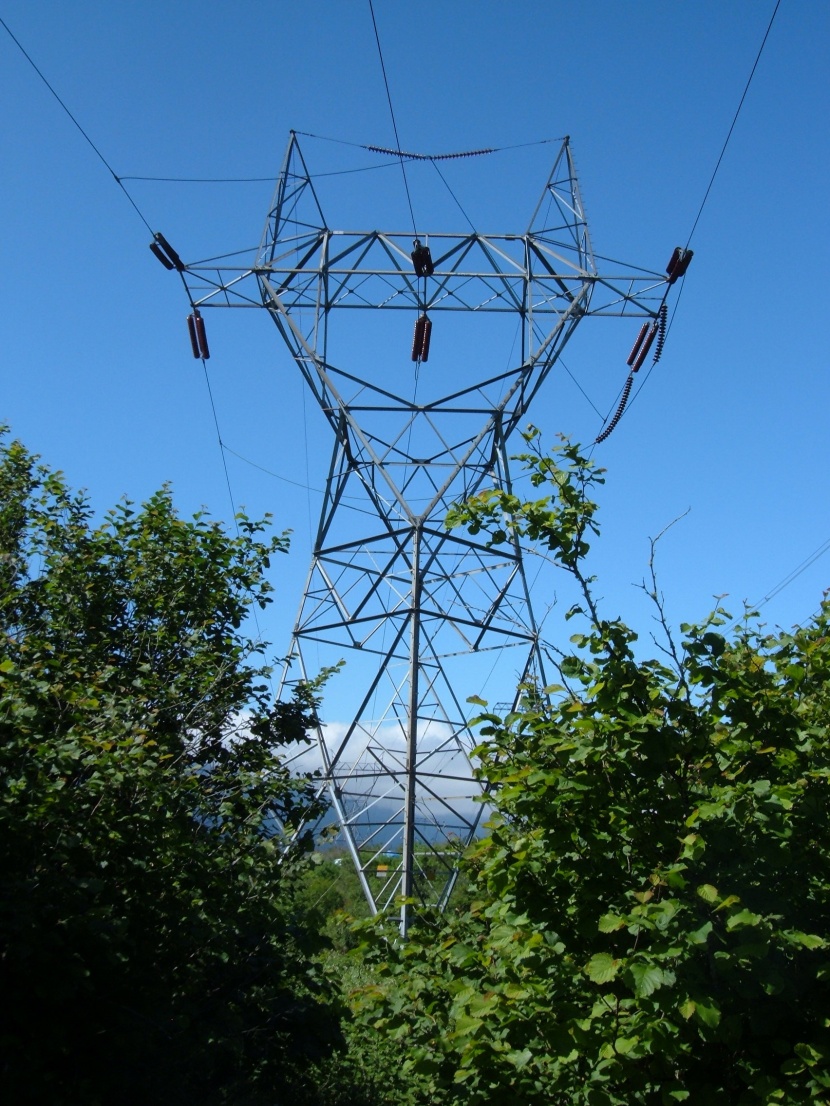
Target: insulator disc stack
x,y
418,337
194,338
198,337
636,347
644,348
661,331
162,249
421,337
626,392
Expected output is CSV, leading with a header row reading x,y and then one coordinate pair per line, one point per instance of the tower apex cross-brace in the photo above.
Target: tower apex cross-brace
x,y
422,616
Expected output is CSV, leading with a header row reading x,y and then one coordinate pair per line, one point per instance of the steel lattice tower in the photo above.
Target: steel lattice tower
x,y
416,611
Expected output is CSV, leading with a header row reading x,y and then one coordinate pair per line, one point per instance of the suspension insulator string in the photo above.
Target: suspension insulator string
x,y
425,343
424,267
421,259
165,253
678,263
645,347
626,392
159,253
636,348
200,334
427,157
662,320
198,337
418,337
194,338
421,338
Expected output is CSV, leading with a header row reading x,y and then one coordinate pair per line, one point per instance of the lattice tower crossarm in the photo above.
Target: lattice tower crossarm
x,y
412,607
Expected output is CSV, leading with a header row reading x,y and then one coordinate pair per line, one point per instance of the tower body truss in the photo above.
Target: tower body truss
x,y
421,616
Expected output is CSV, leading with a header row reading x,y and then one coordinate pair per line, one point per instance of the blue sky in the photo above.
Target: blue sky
x,y
97,371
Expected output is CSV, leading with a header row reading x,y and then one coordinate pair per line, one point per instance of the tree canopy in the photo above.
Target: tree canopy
x,y
651,906
150,945
645,922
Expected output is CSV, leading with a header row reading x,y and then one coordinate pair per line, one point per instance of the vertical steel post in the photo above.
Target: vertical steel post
x,y
408,850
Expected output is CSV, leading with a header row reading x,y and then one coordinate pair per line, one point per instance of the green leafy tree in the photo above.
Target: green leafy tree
x,y
151,949
652,904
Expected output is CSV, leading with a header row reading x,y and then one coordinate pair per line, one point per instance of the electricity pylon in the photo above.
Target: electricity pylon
x,y
420,614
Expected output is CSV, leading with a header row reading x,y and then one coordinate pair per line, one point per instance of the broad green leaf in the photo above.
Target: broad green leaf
x,y
693,844
624,1045
708,1013
700,936
792,1067
707,892
519,1060
463,1074
608,923
743,918
808,940
808,1053
647,979
602,967
466,1026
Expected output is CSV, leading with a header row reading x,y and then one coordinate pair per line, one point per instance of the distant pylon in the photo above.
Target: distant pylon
x,y
419,614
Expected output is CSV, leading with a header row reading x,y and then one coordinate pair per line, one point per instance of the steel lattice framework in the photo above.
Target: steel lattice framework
x,y
404,601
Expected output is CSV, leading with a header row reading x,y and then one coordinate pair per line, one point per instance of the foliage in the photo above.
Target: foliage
x,y
150,944
652,903
332,896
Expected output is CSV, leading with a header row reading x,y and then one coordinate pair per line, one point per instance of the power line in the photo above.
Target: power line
x,y
285,479
796,572
231,497
120,184
201,180
392,113
785,582
709,188
254,180
269,472
453,195
429,157
98,153
221,444
734,121
582,390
